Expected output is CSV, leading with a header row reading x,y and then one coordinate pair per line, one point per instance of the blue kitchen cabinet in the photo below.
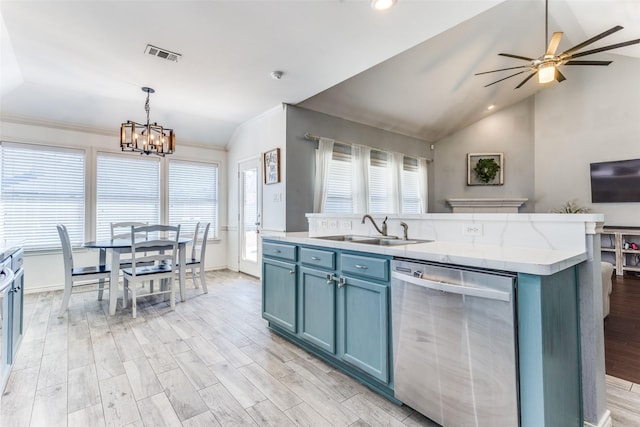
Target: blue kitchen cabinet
x,y
318,309
279,293
364,326
343,313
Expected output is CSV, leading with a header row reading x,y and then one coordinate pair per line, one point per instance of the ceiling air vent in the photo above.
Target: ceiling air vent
x,y
162,53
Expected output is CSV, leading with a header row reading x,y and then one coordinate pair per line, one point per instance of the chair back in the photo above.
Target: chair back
x,y
157,244
201,237
67,254
122,230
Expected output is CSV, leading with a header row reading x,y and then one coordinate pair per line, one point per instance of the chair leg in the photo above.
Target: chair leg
x,y
150,286
65,298
101,289
172,295
134,301
125,293
203,279
194,278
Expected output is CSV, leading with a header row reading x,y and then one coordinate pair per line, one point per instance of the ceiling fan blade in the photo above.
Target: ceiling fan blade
x,y
591,40
559,76
602,49
501,69
505,78
554,43
524,58
588,62
526,80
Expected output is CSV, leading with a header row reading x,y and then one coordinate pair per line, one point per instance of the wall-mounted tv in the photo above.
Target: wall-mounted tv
x,y
615,182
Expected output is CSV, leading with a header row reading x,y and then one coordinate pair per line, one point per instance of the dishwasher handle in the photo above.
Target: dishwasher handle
x,y
474,291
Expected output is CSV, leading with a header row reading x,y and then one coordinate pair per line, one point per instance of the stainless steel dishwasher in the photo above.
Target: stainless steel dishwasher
x,y
455,343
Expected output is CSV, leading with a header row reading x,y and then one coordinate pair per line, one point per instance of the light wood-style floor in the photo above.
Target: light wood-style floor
x,y
210,362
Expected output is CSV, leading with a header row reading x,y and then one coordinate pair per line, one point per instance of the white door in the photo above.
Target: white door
x,y
250,209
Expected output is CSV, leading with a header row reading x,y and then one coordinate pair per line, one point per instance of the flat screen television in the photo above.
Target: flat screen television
x,y
615,182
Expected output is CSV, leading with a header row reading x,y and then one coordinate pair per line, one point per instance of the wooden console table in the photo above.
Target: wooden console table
x,y
613,241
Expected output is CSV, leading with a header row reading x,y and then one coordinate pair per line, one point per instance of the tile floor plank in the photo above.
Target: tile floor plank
x,y
50,407
225,407
183,397
156,411
118,403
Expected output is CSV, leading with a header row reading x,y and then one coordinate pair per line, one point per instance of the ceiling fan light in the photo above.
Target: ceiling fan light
x,y
382,4
546,73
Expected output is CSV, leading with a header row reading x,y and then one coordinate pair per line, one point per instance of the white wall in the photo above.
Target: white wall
x,y
594,116
44,269
508,131
250,140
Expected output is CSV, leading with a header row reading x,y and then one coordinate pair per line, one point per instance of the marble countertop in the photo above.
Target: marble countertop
x,y
512,258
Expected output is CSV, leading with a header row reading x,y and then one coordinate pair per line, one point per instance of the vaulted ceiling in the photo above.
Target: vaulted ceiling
x,y
409,69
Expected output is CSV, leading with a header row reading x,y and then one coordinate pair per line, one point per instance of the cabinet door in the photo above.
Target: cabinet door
x,y
318,302
279,293
364,326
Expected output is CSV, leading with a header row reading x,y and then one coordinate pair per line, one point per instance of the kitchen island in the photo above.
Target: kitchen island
x,y
549,314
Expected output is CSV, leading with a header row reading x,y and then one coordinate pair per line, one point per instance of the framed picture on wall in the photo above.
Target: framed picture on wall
x,y
485,169
271,166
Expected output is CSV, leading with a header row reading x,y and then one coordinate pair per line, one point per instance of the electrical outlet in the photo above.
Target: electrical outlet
x,y
333,224
472,230
345,225
323,223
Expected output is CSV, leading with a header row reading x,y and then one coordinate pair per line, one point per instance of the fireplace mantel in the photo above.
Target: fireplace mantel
x,y
486,205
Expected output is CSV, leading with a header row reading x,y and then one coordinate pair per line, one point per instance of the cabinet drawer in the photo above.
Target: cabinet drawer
x,y
375,268
318,258
278,250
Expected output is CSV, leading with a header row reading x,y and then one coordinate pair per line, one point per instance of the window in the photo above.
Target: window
x,y
411,200
193,195
379,179
339,198
127,189
41,187
386,182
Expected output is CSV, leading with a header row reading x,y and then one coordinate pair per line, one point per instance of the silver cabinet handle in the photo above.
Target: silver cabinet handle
x,y
315,258
331,278
361,267
292,272
342,282
276,251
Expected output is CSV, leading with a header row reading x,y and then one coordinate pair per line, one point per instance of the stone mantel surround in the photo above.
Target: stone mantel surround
x,y
575,232
486,205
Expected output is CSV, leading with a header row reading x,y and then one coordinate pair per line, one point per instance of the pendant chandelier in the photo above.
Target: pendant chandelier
x,y
147,139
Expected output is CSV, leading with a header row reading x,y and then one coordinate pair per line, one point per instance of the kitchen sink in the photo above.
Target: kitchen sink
x,y
373,240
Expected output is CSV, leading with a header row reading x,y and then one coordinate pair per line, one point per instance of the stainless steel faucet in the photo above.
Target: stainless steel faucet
x,y
405,230
384,224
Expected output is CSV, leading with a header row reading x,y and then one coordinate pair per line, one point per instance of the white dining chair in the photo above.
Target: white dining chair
x,y
150,263
76,277
122,230
196,262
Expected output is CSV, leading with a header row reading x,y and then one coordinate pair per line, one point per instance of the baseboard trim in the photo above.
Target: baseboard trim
x,y
605,421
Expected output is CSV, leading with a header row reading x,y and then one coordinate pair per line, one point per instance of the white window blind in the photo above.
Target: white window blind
x,y
41,187
339,198
193,195
385,194
410,189
379,200
127,189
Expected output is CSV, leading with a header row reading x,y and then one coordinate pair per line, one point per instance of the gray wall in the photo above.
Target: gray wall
x,y
300,154
594,116
509,131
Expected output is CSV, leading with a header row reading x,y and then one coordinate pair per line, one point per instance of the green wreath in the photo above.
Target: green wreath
x,y
486,169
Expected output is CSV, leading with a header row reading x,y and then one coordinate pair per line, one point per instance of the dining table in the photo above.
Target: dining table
x,y
122,246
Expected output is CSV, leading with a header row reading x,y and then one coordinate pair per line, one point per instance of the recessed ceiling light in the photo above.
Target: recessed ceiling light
x,y
382,4
491,107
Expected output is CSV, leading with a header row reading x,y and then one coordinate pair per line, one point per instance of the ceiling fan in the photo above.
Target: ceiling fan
x,y
547,65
